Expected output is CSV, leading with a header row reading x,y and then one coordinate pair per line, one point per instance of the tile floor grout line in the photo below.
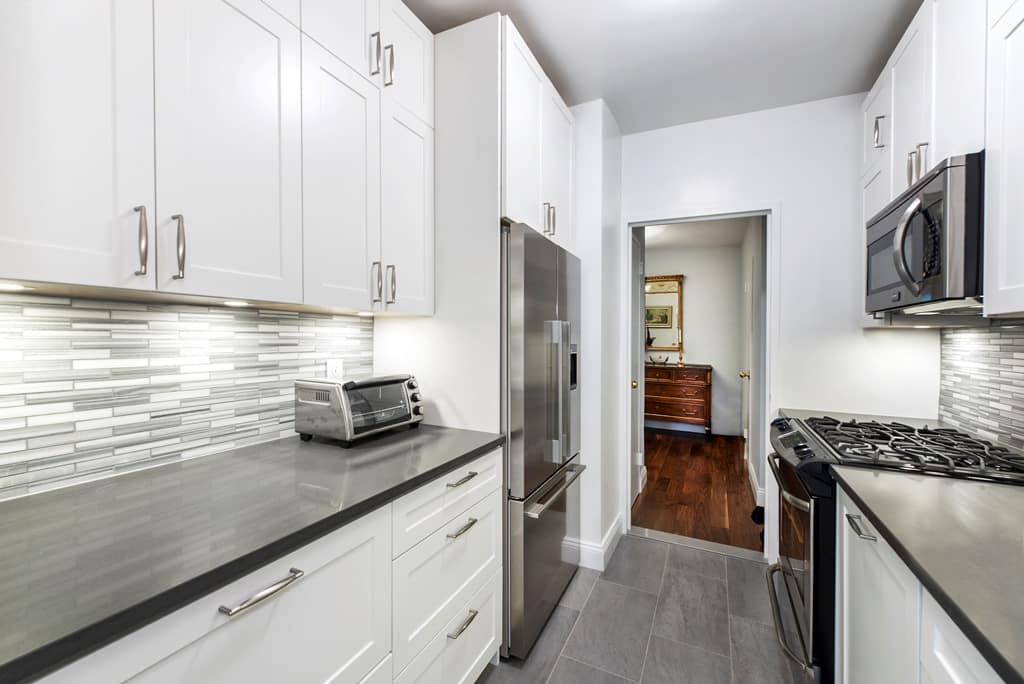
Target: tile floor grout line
x,y
561,651
627,586
728,623
654,617
599,669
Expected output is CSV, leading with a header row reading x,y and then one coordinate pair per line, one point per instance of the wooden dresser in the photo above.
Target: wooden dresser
x,y
678,394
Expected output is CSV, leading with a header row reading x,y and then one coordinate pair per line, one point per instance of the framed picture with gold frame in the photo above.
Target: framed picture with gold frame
x,y
663,312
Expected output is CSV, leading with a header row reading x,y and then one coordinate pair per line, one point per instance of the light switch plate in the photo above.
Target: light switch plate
x,y
335,369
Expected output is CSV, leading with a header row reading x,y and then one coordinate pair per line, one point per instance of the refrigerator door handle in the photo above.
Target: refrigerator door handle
x,y
572,473
564,405
555,369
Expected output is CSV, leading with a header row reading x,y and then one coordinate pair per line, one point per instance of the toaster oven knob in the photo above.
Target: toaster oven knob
x,y
415,396
417,410
412,384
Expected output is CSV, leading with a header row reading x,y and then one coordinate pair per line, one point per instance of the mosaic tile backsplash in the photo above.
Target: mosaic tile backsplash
x,y
90,389
982,382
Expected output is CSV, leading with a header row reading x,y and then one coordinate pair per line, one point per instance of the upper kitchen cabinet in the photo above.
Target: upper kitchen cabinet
x,y
959,98
340,183
876,122
911,82
556,164
348,29
1004,164
228,150
407,60
76,142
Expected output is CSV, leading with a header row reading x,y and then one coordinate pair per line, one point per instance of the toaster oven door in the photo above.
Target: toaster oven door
x,y
378,406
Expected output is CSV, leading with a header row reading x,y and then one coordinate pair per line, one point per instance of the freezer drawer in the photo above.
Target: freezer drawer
x,y
543,554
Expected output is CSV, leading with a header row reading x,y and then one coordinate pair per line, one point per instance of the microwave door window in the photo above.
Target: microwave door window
x,y
375,407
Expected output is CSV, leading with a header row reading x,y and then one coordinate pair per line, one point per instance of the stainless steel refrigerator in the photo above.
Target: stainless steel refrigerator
x,y
541,421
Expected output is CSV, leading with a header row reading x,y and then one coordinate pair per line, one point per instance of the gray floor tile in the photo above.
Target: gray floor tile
x,y
669,662
748,591
538,665
696,561
579,589
694,609
637,563
757,658
569,671
613,630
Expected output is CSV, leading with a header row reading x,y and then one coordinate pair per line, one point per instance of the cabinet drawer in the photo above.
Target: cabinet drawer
x,y
675,390
676,408
437,576
452,657
659,373
423,511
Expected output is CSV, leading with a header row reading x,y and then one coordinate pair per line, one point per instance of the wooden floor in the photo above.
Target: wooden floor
x,y
697,487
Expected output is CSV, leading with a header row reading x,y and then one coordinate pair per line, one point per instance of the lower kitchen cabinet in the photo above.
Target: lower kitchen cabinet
x,y
947,657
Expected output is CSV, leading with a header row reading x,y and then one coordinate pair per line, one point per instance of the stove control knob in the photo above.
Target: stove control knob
x,y
781,423
417,410
415,396
802,450
412,384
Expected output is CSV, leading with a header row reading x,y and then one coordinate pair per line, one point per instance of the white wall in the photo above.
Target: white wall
x,y
712,320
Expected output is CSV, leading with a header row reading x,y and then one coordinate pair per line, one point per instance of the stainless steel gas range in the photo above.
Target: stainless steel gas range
x,y
806,444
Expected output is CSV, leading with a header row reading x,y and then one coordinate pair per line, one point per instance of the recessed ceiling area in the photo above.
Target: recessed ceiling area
x,y
664,62
727,232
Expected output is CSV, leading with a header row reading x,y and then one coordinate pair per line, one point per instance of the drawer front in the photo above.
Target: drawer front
x,y
423,511
659,373
459,653
675,390
693,375
676,408
437,576
333,624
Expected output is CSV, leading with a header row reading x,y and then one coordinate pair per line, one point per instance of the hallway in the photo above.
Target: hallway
x,y
697,488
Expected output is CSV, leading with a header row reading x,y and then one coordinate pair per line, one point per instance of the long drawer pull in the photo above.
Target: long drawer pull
x,y
854,521
459,483
294,575
463,530
465,625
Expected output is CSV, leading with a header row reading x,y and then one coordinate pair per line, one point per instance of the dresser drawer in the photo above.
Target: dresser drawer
x,y
435,578
666,373
676,409
459,653
675,390
423,511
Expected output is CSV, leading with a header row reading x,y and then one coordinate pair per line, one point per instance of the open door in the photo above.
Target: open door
x,y
637,470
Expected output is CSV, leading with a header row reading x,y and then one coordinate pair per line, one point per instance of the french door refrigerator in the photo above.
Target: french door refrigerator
x,y
540,419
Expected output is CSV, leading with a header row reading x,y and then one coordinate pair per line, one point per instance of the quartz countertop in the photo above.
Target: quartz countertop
x,y
83,566
965,542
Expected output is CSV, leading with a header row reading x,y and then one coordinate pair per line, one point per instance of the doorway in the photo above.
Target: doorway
x,y
698,361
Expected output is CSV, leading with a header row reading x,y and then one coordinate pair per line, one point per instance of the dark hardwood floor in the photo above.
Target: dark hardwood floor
x,y
698,488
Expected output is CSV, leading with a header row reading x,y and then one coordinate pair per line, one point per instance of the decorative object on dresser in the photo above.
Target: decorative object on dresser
x,y
663,301
678,394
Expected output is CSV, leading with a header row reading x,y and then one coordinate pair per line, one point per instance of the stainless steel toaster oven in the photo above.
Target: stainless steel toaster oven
x,y
356,409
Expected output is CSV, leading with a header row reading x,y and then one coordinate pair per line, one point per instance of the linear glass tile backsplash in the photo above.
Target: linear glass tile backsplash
x,y
982,385
90,389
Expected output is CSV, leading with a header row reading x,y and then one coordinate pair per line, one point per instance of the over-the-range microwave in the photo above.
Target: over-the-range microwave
x,y
925,249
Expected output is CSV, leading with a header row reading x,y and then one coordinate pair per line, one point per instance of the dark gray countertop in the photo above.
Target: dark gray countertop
x,y
82,566
965,541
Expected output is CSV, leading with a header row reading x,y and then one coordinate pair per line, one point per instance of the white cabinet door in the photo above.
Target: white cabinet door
x,y
947,657
912,102
76,141
228,150
407,211
349,29
332,625
959,102
408,60
524,92
880,606
1004,165
340,182
876,125
289,9
556,170
875,191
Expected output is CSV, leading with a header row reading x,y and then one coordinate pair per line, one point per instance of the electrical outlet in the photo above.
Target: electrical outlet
x,y
335,369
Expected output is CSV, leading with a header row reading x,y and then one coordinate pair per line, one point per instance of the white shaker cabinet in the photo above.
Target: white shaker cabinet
x,y
523,98
911,74
340,182
1004,164
556,167
876,124
350,30
959,82
76,142
947,657
407,60
228,150
880,605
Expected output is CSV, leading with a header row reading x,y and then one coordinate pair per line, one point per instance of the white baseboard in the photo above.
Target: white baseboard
x,y
754,488
597,556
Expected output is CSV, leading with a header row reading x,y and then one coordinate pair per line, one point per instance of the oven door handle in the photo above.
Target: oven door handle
x,y
899,257
804,662
795,501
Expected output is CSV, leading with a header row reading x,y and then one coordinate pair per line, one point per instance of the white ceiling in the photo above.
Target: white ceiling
x,y
715,233
664,62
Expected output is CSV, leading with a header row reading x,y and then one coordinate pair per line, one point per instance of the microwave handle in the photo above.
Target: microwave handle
x,y
898,240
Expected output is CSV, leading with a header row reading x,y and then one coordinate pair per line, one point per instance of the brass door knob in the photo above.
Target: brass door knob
x,y
745,374
635,384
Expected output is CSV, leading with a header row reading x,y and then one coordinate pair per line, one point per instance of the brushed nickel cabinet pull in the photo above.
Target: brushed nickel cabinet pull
x,y
465,625
547,218
854,521
878,144
394,284
181,246
921,149
375,53
389,65
376,265
462,481
554,219
143,240
463,530
294,575
910,168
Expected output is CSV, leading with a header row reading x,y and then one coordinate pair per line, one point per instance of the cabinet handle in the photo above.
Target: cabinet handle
x,y
554,219
460,482
375,53
878,132
547,218
181,246
854,521
910,168
376,265
389,65
394,284
143,240
920,159
294,575
465,625
462,530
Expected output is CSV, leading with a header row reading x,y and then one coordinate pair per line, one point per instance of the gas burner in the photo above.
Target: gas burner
x,y
929,450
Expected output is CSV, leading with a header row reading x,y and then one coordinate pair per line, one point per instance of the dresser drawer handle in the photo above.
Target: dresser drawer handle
x,y
463,530
459,483
294,575
465,625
